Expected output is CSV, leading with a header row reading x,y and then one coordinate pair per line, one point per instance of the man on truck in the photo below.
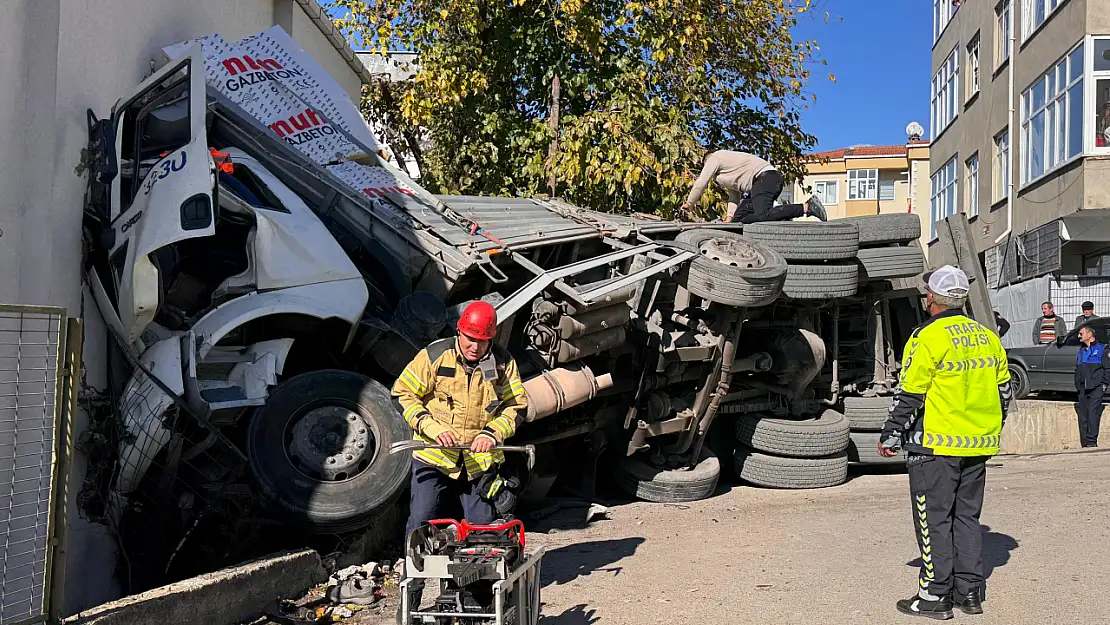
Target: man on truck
x,y
948,414
742,174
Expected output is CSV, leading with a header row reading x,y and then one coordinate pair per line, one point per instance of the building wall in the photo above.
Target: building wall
x,y
306,33
61,58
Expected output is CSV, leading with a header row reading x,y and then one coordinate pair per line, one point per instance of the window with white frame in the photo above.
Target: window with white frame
x,y
971,186
1034,13
946,93
1000,167
943,10
863,184
1100,78
1002,47
943,201
886,189
827,191
1052,117
972,67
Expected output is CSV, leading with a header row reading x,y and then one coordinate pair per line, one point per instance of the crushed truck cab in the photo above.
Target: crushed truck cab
x,y
268,295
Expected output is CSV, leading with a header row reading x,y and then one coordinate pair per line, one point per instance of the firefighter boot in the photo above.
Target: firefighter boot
x,y
937,608
969,603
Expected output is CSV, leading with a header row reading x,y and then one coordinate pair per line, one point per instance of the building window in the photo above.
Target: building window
x,y
1002,46
971,186
1101,80
1034,13
1001,165
886,190
1052,117
973,67
826,191
943,10
946,93
863,184
943,201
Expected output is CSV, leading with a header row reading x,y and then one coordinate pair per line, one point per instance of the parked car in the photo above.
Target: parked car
x,y
1051,367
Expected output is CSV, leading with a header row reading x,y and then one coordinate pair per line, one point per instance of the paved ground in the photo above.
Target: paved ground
x,y
844,554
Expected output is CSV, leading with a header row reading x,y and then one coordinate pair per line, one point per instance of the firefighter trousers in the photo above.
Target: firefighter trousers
x,y
436,496
1089,410
947,495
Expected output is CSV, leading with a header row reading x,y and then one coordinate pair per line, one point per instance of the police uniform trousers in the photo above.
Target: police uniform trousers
x,y
435,495
947,494
1089,410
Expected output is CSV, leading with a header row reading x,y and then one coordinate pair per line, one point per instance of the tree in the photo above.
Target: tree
x,y
610,104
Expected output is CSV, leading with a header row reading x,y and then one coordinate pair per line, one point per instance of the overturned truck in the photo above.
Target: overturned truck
x,y
267,302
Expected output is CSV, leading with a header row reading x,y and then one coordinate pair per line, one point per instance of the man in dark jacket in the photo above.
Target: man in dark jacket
x,y
1003,325
1088,314
1092,374
1049,327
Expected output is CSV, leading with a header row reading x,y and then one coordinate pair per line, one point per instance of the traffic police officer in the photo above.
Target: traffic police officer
x,y
948,415
1092,374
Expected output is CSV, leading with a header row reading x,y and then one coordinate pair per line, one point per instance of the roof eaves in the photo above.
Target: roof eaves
x,y
316,13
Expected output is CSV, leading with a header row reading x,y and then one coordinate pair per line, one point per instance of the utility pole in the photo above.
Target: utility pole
x,y
954,237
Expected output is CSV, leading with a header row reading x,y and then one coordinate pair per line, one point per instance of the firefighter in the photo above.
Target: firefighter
x,y
464,391
1092,374
947,415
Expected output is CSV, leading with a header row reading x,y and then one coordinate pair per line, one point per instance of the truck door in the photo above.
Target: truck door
x,y
163,193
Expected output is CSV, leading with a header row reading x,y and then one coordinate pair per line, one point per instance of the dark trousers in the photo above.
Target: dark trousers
x,y
437,496
947,494
1089,410
760,206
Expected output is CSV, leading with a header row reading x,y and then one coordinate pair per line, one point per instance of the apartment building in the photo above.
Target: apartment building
x,y
870,179
1020,132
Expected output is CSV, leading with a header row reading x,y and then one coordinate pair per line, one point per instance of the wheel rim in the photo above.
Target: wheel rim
x,y
1018,381
330,443
733,252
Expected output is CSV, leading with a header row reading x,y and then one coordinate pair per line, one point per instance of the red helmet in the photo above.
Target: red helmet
x,y
479,321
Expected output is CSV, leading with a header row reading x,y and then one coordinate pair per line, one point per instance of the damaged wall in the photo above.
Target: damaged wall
x,y
60,59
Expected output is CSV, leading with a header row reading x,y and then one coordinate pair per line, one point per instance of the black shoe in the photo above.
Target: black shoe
x,y
969,603
940,610
816,208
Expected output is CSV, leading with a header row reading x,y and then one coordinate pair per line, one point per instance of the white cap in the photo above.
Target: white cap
x,y
948,281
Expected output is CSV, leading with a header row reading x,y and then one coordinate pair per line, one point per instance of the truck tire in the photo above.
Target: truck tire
x,y
823,435
732,270
886,229
886,263
776,472
821,281
864,449
800,240
867,414
282,444
644,481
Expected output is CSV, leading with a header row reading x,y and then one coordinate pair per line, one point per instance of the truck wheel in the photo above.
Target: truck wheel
x,y
799,240
642,480
775,472
319,450
864,449
867,414
885,263
1019,381
823,435
885,229
821,281
731,269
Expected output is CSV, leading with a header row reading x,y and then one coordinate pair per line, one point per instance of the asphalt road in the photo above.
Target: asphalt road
x,y
844,554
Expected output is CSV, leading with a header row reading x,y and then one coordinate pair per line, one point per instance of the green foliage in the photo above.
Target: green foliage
x,y
646,86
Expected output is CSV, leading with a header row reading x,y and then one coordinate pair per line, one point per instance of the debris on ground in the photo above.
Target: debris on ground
x,y
358,585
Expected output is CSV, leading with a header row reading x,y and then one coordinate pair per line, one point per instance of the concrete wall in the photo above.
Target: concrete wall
x,y
1040,426
60,58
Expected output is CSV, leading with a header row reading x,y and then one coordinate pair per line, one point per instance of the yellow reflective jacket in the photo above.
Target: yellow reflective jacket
x,y
439,392
954,390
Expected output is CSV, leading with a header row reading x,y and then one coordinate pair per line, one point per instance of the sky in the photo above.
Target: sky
x,y
880,54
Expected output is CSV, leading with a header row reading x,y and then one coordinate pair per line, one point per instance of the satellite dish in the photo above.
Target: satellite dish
x,y
914,130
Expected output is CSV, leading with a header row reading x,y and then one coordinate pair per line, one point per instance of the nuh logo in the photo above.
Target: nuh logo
x,y
238,65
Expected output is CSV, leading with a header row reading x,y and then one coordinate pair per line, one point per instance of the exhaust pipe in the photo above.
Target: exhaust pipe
x,y
559,389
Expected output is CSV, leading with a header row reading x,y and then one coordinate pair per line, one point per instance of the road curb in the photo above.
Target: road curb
x,y
223,597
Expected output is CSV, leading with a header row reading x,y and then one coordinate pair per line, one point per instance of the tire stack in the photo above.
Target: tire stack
x,y
820,256
866,416
792,453
888,247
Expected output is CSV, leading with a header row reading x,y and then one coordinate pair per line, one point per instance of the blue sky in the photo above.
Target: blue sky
x,y
880,55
